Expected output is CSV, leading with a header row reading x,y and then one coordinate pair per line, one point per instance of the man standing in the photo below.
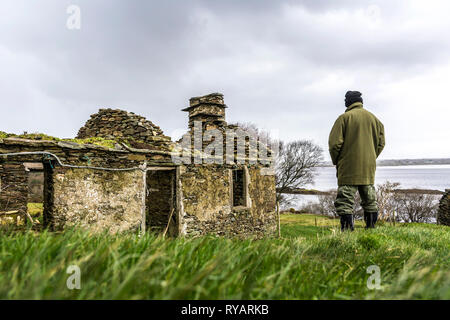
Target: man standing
x,y
356,140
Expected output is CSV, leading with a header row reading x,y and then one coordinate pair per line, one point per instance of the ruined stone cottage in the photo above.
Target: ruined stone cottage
x,y
122,173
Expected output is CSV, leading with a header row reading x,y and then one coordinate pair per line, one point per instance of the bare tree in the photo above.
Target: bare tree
x,y
253,130
387,200
326,202
409,206
295,165
416,207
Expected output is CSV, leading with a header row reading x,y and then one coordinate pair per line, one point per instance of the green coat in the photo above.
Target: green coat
x,y
355,142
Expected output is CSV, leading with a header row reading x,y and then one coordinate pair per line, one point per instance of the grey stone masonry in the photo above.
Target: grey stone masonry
x,y
443,216
207,109
124,126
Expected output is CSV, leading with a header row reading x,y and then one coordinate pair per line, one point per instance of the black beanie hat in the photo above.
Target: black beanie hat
x,y
351,97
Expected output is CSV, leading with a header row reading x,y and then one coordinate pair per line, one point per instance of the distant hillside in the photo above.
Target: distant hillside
x,y
403,162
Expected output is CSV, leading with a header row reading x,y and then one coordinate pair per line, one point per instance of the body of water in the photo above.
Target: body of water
x,y
434,177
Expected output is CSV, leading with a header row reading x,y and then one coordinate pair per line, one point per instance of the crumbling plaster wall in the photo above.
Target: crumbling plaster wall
x,y
205,191
262,192
206,203
100,200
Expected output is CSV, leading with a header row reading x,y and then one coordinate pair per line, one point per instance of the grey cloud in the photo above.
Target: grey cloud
x,y
278,69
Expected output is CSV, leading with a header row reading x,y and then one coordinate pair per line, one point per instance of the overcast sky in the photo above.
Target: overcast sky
x,y
284,65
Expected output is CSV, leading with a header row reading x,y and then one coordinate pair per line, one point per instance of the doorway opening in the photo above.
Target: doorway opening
x,y
22,193
35,190
161,212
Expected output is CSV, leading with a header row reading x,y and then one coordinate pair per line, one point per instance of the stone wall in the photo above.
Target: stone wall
x,y
13,193
14,187
212,99
124,126
100,200
262,192
206,191
207,203
89,197
81,154
443,216
239,223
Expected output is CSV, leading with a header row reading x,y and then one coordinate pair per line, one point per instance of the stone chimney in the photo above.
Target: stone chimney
x,y
209,109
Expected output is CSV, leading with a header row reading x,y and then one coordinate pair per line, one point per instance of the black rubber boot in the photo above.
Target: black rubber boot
x,y
374,216
347,222
343,222
350,222
370,218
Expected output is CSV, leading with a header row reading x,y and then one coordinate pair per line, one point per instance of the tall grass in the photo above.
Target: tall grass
x,y
309,262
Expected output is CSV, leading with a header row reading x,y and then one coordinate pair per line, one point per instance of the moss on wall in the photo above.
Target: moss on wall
x,y
41,136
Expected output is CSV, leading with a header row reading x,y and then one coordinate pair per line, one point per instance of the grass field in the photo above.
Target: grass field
x,y
312,260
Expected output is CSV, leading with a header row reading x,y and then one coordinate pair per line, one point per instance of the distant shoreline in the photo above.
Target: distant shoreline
x,y
402,162
318,192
